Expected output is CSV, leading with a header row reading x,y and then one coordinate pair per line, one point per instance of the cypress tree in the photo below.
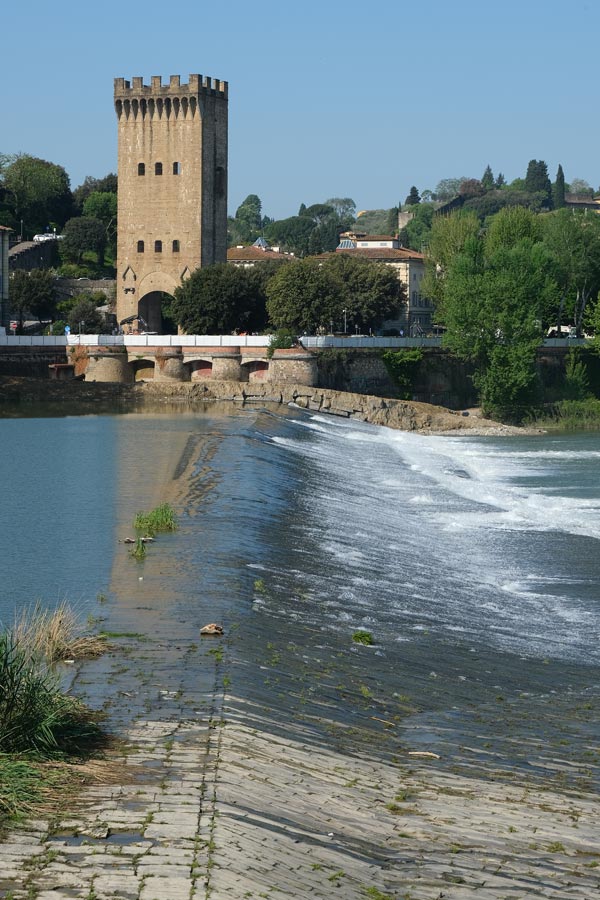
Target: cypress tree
x,y
413,197
558,189
487,179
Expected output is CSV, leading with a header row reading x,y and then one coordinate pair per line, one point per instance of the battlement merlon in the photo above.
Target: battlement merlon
x,y
198,85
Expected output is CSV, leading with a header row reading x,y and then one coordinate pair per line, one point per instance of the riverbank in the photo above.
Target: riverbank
x,y
399,414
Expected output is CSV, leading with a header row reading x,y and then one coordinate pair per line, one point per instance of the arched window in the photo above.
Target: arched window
x,y
141,168
176,168
158,168
158,246
140,246
175,246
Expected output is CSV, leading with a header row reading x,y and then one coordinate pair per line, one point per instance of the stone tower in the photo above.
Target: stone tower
x,y
172,206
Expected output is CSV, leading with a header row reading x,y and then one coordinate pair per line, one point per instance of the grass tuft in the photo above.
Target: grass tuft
x,y
160,519
363,637
54,635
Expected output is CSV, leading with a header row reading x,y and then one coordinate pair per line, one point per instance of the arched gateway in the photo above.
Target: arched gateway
x,y
172,199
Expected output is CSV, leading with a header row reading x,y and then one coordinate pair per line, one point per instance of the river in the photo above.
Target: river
x,y
472,561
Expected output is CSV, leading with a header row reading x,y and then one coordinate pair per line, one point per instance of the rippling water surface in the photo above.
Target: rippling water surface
x,y
473,561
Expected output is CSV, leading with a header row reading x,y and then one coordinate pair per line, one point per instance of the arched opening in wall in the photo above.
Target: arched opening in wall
x,y
154,311
200,369
142,369
257,369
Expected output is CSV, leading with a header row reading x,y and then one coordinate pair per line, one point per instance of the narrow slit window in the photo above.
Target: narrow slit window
x,y
158,168
158,246
175,246
141,168
140,246
176,168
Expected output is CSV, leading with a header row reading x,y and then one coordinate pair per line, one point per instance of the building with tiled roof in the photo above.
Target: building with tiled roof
x,y
416,316
257,253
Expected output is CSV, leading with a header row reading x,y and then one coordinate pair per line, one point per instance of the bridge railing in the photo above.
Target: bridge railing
x,y
239,340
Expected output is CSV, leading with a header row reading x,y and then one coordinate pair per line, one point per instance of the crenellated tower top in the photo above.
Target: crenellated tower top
x,y
198,85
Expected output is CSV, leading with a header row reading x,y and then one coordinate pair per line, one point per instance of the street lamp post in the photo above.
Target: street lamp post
x,y
345,322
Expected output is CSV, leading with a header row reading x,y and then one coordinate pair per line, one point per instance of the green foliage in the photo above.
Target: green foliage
x,y
308,294
37,192
413,197
84,315
401,366
81,234
558,189
415,233
487,179
92,185
363,637
34,715
103,206
138,551
221,298
568,415
537,180
304,296
33,292
577,386
161,519
283,339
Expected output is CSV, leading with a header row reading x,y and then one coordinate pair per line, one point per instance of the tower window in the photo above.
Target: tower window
x,y
175,246
140,246
141,168
176,168
158,168
158,246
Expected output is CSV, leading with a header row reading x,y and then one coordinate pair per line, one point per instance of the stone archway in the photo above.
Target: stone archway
x,y
151,308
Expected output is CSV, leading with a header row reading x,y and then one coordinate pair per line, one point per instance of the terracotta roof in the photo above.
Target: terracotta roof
x,y
253,254
377,237
4,228
402,253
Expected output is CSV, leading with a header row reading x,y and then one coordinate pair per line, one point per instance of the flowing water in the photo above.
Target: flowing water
x,y
473,562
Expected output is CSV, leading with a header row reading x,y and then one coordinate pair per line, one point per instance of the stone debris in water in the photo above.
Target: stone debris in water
x,y
213,628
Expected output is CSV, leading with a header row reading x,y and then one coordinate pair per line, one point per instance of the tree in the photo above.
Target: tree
x,y
500,180
558,189
413,197
344,208
471,187
537,180
511,226
581,188
33,292
292,234
248,218
218,299
91,185
38,192
371,291
573,240
85,317
448,238
102,205
83,234
415,233
304,296
448,188
491,310
487,179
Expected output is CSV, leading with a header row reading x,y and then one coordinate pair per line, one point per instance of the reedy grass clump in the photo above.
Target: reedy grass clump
x,y
35,716
139,550
160,519
53,635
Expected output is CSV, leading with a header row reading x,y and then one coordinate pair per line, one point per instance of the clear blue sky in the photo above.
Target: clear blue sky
x,y
345,98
